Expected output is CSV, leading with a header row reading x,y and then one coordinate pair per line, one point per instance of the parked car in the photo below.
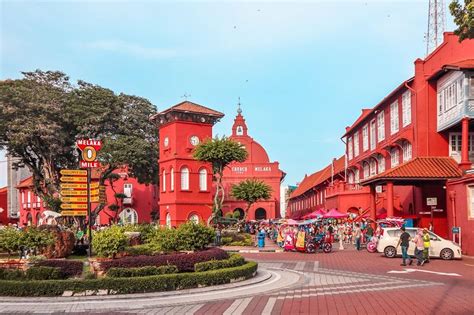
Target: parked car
x,y
440,248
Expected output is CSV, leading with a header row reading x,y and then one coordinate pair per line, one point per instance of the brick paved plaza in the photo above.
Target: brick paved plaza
x,y
343,282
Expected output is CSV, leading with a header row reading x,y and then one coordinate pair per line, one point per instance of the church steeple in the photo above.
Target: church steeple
x,y
239,129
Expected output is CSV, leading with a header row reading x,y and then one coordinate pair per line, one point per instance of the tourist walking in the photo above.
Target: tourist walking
x,y
426,246
340,233
357,236
404,241
418,240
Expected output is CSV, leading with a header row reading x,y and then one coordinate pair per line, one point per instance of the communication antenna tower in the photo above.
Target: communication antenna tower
x,y
436,24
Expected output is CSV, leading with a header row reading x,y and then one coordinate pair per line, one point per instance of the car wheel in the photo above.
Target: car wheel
x,y
390,252
447,254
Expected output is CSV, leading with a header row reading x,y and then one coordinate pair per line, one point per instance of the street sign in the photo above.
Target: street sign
x,y
72,213
455,229
84,164
69,179
74,199
89,149
74,206
94,185
438,210
425,212
432,201
74,172
74,193
95,199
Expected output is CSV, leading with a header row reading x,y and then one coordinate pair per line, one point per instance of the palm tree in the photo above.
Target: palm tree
x,y
251,191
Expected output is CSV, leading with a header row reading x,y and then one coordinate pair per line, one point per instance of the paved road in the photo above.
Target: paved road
x,y
346,282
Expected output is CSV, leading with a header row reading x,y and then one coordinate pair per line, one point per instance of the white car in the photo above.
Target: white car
x,y
440,248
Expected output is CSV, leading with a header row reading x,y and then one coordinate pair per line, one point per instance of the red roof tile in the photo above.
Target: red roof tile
x,y
421,168
3,190
463,64
26,183
188,106
319,177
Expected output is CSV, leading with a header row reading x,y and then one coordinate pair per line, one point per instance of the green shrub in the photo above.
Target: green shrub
x,y
141,272
9,240
36,239
43,273
128,285
11,274
109,242
193,236
139,250
234,261
226,240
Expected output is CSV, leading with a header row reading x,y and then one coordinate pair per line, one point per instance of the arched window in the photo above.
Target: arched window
x,y
194,218
168,220
172,179
356,176
381,162
373,167
129,216
203,180
351,178
406,148
394,157
164,180
366,170
185,178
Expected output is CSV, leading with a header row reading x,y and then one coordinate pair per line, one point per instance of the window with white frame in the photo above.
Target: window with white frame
x,y
373,132
394,157
23,199
366,168
168,220
394,121
203,180
194,218
356,144
381,163
164,181
356,176
172,179
365,138
351,178
127,190
406,148
185,178
381,126
373,167
406,108
470,201
349,148
29,199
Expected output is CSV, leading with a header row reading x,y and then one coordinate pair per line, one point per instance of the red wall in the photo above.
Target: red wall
x,y
3,205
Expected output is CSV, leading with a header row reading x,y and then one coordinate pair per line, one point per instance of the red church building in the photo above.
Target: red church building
x,y
410,155
258,166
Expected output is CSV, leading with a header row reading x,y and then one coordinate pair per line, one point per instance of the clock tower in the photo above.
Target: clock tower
x,y
185,183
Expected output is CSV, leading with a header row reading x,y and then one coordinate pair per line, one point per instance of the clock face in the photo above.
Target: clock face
x,y
166,142
194,140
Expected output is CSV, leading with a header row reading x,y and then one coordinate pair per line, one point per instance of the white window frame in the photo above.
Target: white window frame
x,y
394,157
185,178
356,144
407,151
127,190
394,118
164,181
349,148
356,176
172,179
203,179
366,169
470,202
406,108
28,196
380,126
372,167
381,163
365,138
373,135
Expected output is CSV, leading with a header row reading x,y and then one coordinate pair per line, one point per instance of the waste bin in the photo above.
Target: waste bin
x,y
261,239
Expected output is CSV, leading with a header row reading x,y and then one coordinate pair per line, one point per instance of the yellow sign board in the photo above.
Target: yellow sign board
x,y
70,179
74,193
74,206
93,185
95,199
74,199
74,172
94,192
69,213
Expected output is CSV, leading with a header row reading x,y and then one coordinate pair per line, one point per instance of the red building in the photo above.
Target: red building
x,y
410,154
257,165
31,206
185,183
3,206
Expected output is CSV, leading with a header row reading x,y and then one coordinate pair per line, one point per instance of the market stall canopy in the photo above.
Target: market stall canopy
x,y
315,214
334,214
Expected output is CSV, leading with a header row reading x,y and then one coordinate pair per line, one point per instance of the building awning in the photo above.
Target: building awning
x,y
419,169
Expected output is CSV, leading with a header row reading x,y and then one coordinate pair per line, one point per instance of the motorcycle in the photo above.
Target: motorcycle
x,y
322,242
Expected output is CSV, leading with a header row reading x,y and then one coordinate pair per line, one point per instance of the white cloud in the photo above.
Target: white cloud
x,y
129,48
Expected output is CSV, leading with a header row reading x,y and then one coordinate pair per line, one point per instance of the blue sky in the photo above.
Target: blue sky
x,y
303,70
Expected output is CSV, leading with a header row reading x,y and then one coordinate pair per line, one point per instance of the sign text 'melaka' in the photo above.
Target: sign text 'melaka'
x,y
89,142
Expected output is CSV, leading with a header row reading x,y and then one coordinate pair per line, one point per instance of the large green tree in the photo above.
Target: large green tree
x,y
251,191
42,115
464,18
220,152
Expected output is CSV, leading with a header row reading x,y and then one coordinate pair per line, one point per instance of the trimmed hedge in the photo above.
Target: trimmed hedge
x,y
184,262
32,273
128,285
69,268
141,272
234,261
11,274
